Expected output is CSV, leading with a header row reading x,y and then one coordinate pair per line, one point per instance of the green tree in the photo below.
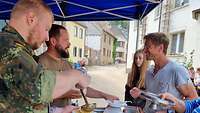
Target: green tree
x,y
123,25
189,61
114,49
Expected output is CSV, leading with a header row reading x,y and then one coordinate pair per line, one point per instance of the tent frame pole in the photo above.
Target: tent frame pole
x,y
107,11
160,17
60,8
138,31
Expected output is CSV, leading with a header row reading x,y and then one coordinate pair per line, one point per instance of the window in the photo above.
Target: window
x,y
75,51
179,3
118,43
80,52
75,31
104,51
110,40
80,33
107,52
121,44
177,43
105,38
120,54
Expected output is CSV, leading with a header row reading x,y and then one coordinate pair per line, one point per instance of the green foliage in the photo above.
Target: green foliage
x,y
70,61
123,25
114,49
189,62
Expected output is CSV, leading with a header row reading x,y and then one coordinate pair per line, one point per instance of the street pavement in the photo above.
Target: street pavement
x,y
110,79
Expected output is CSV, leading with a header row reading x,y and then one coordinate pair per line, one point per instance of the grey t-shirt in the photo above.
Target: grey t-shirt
x,y
167,79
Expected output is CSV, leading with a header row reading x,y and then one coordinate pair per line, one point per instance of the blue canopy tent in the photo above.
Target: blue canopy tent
x,y
91,10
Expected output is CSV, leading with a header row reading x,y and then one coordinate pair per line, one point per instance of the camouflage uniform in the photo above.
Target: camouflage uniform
x,y
23,83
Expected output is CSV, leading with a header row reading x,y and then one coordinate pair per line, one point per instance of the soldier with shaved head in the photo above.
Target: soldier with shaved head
x,y
25,86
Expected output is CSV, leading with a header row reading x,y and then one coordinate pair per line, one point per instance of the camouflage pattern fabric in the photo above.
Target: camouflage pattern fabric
x,y
23,83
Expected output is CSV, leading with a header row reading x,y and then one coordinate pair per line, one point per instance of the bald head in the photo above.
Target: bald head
x,y
32,19
38,7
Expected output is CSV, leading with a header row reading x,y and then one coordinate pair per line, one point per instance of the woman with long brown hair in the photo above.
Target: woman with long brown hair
x,y
136,78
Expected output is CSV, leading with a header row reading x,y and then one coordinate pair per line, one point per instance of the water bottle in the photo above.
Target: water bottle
x,y
78,67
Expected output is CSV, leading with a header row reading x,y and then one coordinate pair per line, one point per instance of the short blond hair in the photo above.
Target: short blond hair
x,y
23,6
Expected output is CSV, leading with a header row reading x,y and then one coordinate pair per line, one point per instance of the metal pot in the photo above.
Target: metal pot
x,y
87,108
156,101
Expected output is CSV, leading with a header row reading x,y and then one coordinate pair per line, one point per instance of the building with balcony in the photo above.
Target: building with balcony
x,y
121,47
